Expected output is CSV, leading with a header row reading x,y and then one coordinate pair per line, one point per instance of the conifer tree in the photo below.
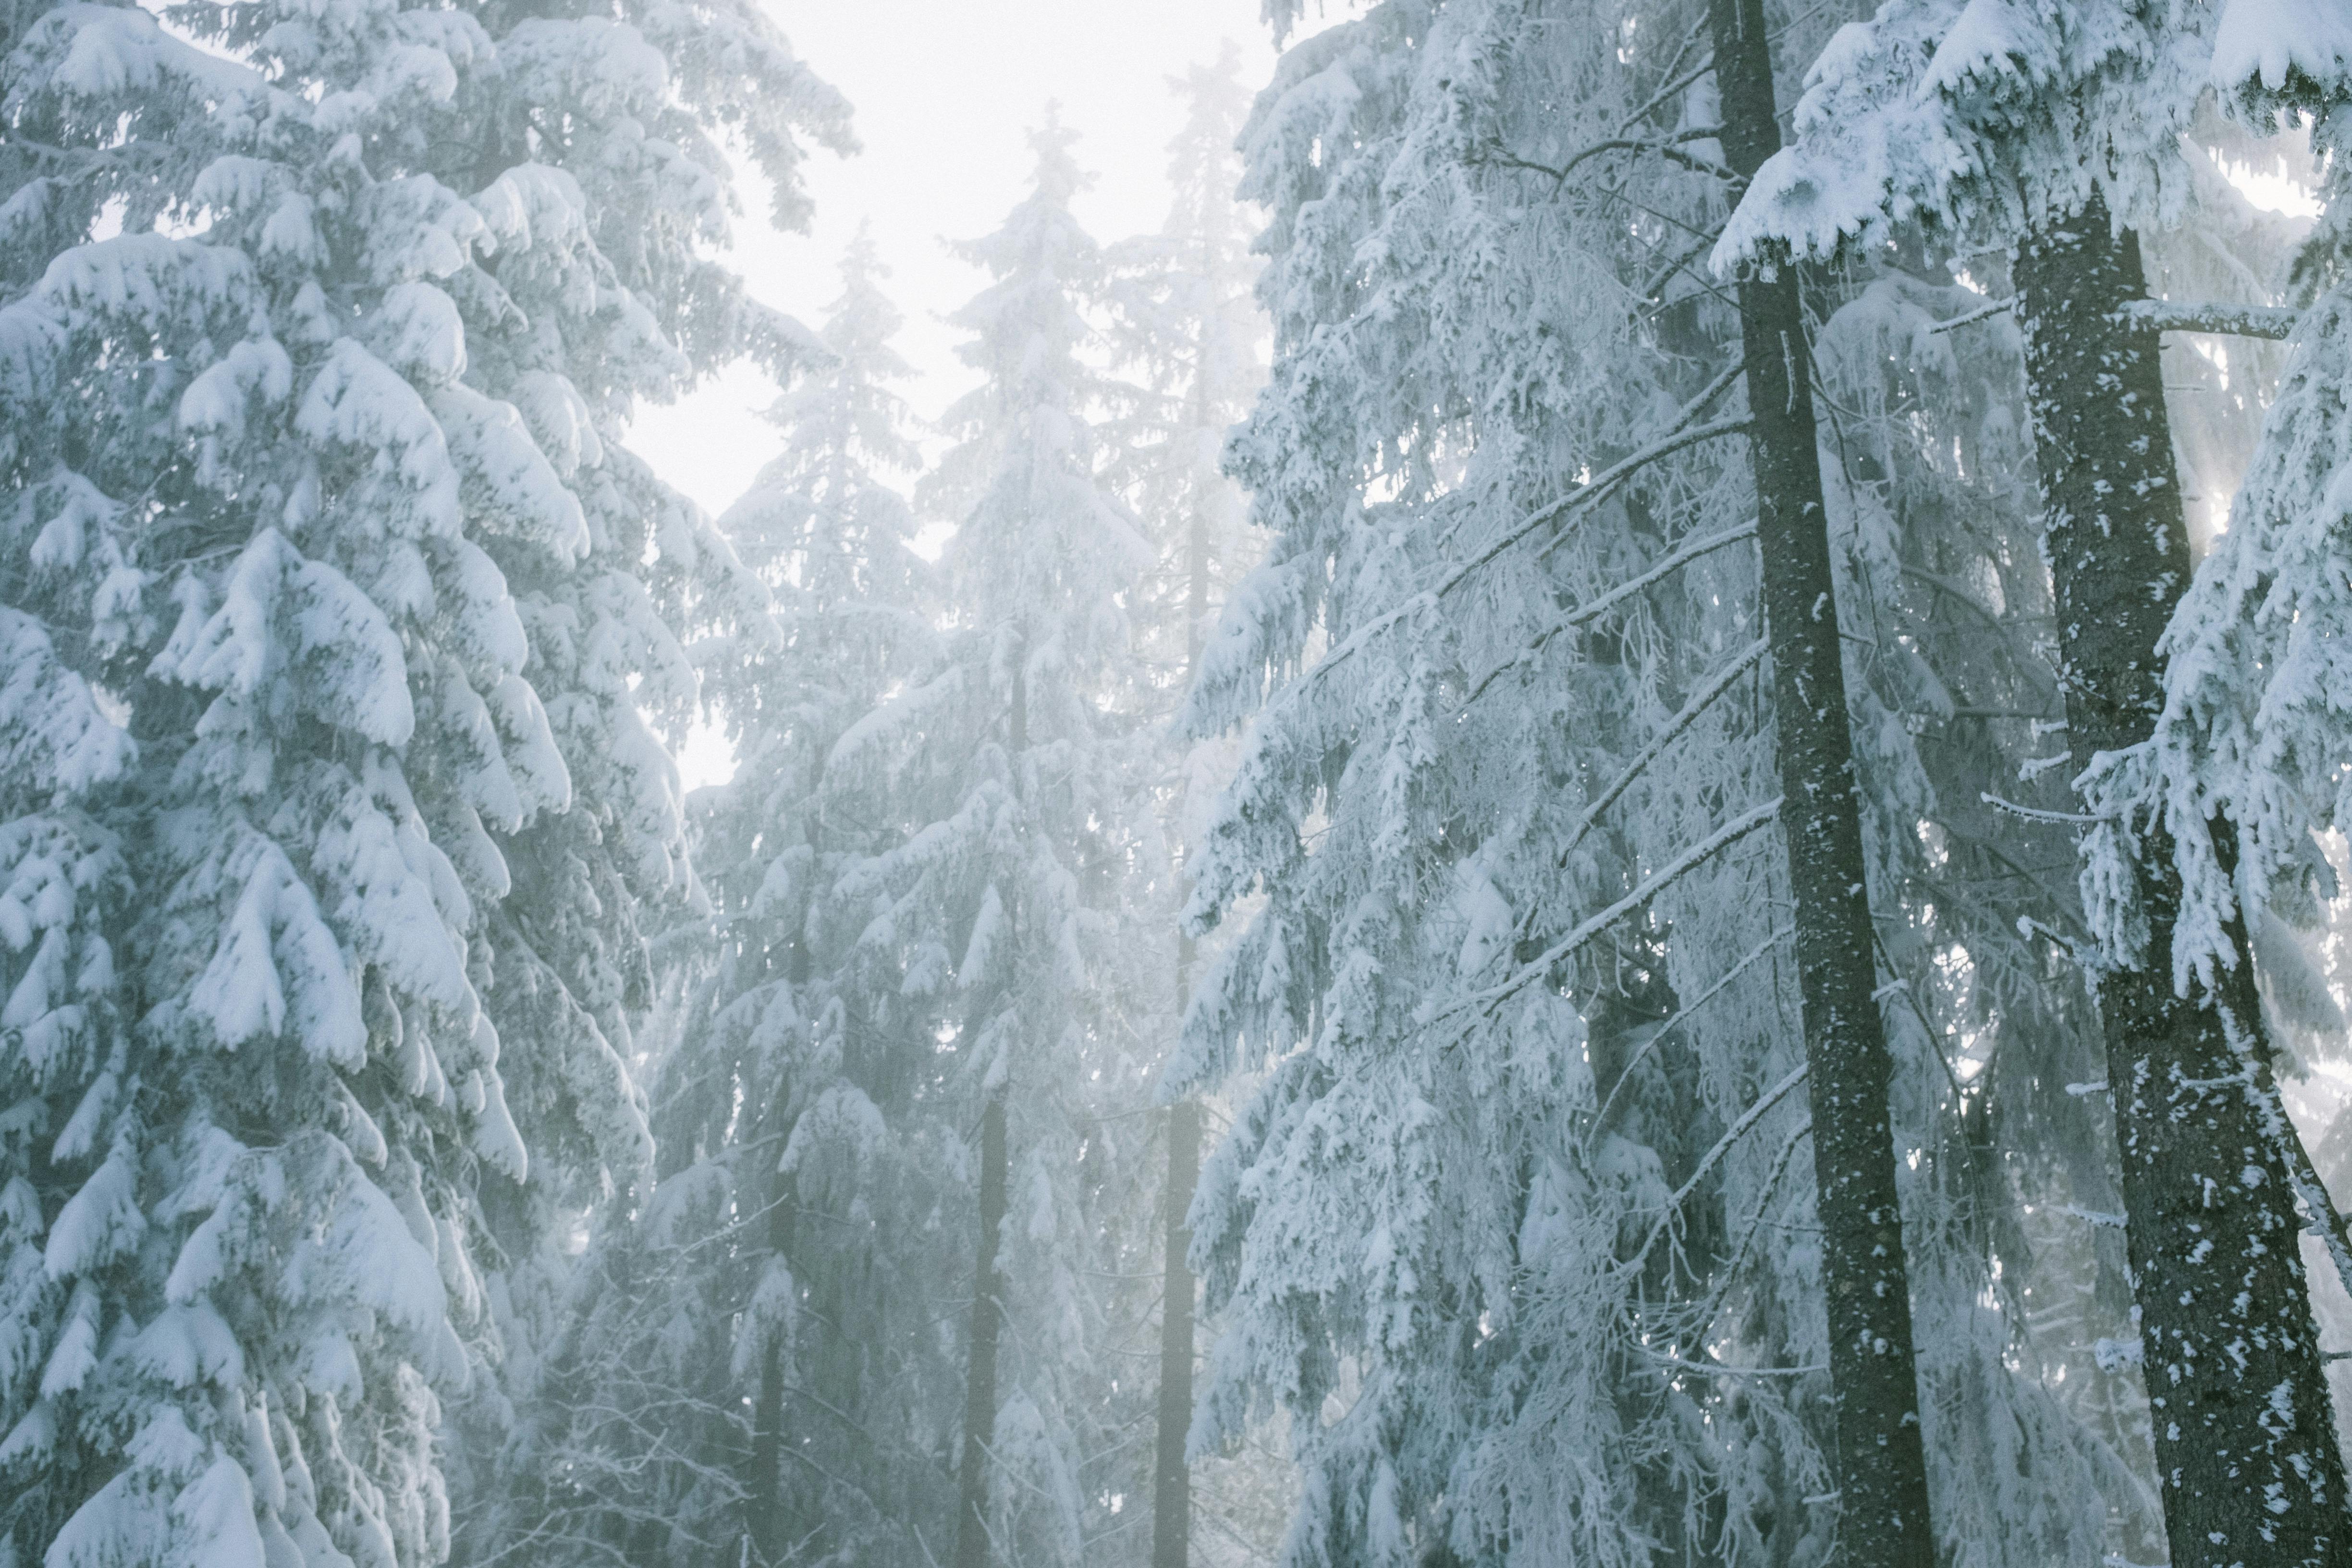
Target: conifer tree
x,y
746,1365
1881,1464
323,582
2239,759
1430,986
2059,129
1185,319
1007,905
1517,988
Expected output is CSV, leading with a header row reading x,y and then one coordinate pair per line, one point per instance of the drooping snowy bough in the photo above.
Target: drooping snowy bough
x,y
328,807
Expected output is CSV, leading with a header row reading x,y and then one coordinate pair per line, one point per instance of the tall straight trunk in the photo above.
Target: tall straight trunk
x,y
1171,1488
2245,1442
764,1506
987,1321
1881,1464
987,1285
1171,1477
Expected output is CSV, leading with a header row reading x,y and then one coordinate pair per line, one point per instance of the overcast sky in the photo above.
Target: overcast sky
x,y
945,93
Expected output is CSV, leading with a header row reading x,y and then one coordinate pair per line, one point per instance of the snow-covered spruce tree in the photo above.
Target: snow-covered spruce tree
x,y
608,188
1935,518
2226,257
283,575
1186,321
1436,1213
1993,123
750,1364
1011,905
1518,988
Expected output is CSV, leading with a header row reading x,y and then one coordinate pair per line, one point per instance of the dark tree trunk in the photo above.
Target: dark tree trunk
x,y
1881,1466
1171,1488
765,1505
2245,1442
987,1318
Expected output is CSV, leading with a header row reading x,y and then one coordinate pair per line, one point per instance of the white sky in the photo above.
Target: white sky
x,y
945,94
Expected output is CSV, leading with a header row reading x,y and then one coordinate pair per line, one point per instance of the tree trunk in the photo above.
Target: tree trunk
x,y
765,1505
2245,1445
1881,1465
987,1318
1171,1477
1171,1489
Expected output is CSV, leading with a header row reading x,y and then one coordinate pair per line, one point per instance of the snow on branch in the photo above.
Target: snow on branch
x,y
1697,855
2033,813
2196,316
1995,308
1670,148
1701,700
1596,489
1738,1130
1593,609
1625,1074
2174,316
1600,485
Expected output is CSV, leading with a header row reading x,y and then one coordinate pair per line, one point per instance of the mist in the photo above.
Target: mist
x,y
1448,783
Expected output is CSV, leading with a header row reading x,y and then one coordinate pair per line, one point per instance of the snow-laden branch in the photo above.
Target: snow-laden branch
x,y
2203,316
1697,855
1593,609
1764,1191
1666,92
1668,147
2034,813
1625,1074
1593,489
1684,435
1713,1157
1995,308
2175,316
1701,700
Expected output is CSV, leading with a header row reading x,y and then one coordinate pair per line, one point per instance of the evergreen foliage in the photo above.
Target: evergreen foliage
x,y
332,604
1356,779
1014,760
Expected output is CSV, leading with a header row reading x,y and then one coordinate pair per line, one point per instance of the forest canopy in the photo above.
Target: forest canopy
x,y
1597,821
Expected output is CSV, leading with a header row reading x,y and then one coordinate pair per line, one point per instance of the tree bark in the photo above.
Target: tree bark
x,y
1171,1489
987,1320
1881,1465
765,1505
2245,1445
